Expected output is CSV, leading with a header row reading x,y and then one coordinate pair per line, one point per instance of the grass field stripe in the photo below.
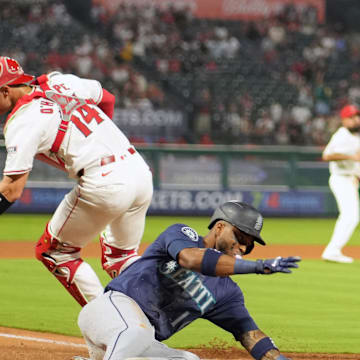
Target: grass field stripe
x,y
66,343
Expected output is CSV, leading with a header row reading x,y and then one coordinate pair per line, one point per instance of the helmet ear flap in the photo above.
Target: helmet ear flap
x,y
212,223
249,248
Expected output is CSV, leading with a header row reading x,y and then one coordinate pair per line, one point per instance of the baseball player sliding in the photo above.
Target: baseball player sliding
x,y
343,152
66,121
182,277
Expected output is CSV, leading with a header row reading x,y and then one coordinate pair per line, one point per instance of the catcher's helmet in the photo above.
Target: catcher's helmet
x,y
241,215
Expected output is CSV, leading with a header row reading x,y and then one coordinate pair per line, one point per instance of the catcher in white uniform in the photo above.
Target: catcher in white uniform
x,y
343,152
66,121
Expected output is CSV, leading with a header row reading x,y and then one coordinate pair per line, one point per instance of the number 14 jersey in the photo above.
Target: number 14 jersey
x,y
30,131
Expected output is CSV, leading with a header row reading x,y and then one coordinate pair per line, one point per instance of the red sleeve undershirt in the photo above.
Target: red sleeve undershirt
x,y
107,103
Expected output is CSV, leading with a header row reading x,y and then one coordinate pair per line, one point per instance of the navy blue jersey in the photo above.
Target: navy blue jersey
x,y
172,297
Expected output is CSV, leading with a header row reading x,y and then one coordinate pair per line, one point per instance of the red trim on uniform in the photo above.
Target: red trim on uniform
x,y
47,160
71,211
107,103
24,100
16,171
41,80
131,150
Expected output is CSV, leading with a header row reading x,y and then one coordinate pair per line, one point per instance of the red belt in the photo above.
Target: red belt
x,y
109,159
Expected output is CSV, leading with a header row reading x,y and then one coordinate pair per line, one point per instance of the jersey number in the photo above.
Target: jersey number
x,y
88,114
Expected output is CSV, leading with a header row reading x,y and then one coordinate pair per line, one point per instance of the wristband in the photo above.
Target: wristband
x,y
209,261
4,203
245,266
262,347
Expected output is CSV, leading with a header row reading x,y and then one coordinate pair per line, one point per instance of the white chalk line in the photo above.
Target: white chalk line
x,y
30,338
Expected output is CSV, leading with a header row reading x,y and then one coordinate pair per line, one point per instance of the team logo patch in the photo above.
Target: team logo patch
x,y
258,224
191,233
13,66
169,267
11,149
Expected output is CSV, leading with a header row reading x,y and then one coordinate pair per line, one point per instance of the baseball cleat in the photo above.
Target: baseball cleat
x,y
80,358
340,258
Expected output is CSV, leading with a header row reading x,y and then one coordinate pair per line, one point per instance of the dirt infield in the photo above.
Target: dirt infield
x,y
17,344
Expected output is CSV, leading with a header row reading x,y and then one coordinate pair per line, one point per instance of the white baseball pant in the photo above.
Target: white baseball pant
x,y
117,202
115,328
345,190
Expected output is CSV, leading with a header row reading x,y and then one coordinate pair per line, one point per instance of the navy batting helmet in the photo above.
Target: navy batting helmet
x,y
243,216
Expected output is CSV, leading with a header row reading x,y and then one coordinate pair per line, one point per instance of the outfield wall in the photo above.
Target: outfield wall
x,y
200,202
194,180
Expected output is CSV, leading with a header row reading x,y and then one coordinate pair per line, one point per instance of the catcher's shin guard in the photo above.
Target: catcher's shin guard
x,y
115,260
64,271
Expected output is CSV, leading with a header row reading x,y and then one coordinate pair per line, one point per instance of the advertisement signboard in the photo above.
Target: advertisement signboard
x,y
152,122
228,9
200,202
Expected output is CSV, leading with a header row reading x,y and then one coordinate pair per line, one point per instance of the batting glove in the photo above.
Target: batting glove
x,y
279,264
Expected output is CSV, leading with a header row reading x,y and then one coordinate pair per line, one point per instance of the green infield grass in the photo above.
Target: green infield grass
x,y
17,227
315,309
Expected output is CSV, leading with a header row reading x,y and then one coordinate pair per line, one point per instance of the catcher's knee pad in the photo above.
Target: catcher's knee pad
x,y
45,243
115,260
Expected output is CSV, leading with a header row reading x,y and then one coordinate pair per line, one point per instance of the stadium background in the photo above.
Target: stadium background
x,y
224,102
226,99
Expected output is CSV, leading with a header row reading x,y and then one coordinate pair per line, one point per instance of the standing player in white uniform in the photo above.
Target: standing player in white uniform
x,y
51,120
343,152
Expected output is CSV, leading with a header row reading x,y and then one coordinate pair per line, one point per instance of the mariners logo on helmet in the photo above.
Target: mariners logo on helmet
x,y
258,223
189,232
